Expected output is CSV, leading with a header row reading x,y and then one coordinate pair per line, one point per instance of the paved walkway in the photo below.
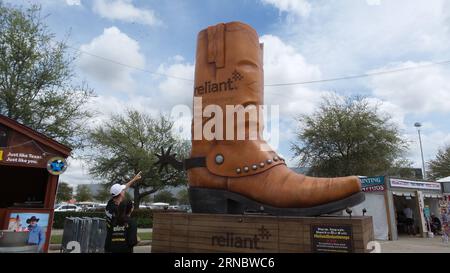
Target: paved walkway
x,y
403,245
415,245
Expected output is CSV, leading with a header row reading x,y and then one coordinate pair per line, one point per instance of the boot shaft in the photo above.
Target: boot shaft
x,y
228,74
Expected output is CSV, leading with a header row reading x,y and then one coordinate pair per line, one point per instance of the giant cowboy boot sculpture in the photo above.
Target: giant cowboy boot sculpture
x,y
235,176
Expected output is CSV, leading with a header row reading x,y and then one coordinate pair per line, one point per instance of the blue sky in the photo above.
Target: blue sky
x,y
304,40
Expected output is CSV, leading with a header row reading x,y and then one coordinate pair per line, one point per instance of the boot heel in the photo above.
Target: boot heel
x,y
208,201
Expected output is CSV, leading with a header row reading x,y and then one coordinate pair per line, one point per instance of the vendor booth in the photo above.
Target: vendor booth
x,y
30,164
422,197
387,198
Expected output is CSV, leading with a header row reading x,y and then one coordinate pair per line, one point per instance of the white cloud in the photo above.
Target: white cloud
x,y
432,140
73,2
76,173
283,64
174,91
415,91
124,10
112,45
396,113
297,7
346,37
373,2
105,106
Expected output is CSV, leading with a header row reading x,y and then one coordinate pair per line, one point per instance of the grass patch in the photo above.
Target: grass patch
x,y
143,236
56,239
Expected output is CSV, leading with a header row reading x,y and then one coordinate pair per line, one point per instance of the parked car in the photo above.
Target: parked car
x,y
88,206
185,208
68,207
159,206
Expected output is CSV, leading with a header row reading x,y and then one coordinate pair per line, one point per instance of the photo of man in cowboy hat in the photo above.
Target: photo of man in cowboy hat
x,y
36,234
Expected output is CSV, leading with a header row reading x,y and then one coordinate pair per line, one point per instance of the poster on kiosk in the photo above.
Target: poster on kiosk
x,y
32,163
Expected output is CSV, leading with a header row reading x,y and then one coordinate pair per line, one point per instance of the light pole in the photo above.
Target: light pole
x,y
418,125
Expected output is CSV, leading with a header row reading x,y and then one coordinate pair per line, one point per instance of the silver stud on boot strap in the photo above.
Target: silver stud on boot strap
x,y
219,159
254,167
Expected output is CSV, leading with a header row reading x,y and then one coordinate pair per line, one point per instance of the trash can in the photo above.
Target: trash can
x,y
88,233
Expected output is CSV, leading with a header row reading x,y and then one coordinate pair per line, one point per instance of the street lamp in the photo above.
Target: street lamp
x,y
418,125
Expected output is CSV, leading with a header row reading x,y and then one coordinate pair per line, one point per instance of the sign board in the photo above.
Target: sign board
x,y
400,183
372,184
27,154
326,238
21,158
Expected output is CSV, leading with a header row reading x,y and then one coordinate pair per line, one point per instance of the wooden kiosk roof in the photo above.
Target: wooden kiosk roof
x,y
34,135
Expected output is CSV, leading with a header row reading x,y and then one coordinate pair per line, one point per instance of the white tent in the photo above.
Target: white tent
x,y
445,179
375,207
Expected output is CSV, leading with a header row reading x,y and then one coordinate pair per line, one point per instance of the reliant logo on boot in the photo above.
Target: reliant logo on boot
x,y
213,87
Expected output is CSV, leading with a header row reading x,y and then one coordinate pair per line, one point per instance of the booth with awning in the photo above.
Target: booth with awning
x,y
422,197
386,197
30,164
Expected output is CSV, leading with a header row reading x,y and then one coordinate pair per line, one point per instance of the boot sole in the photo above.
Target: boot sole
x,y
216,201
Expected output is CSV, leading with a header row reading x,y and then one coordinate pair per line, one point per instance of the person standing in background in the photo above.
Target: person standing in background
x,y
409,220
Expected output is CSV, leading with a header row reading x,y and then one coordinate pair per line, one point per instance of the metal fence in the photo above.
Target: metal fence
x,y
84,235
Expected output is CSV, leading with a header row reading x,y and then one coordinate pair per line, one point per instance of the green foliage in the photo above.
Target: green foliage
x,y
103,195
36,78
64,193
164,197
127,144
147,199
83,194
144,217
439,167
348,137
183,197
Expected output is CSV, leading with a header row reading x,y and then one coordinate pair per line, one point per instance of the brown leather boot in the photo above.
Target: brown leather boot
x,y
237,176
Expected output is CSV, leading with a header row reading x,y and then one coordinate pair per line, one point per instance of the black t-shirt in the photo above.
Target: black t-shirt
x,y
119,238
111,211
131,234
123,237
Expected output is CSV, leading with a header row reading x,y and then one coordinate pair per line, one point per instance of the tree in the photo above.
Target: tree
x,y
348,136
164,197
439,167
183,197
36,78
147,199
127,144
103,195
64,193
83,194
